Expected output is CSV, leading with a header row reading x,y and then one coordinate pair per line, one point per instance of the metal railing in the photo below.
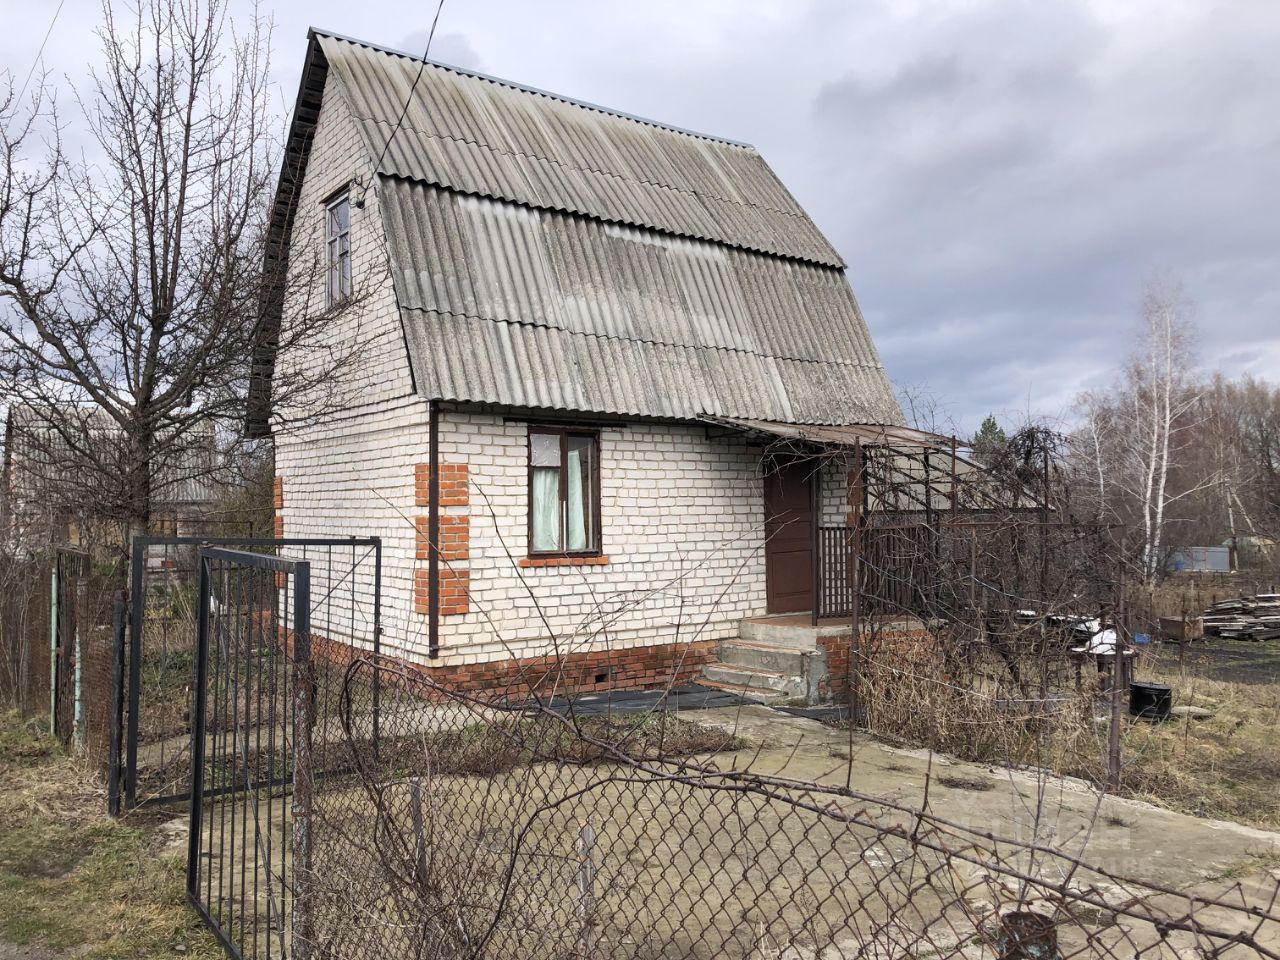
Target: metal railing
x,y
154,765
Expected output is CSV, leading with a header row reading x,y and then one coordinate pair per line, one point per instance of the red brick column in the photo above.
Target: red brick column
x,y
455,538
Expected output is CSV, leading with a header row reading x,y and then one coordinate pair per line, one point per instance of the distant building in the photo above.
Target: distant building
x,y
1201,560
50,491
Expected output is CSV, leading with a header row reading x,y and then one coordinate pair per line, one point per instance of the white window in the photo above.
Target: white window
x,y
337,237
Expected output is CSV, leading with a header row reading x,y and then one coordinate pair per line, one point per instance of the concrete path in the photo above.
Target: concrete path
x,y
1128,837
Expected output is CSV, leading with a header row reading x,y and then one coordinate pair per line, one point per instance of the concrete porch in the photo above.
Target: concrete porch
x,y
776,658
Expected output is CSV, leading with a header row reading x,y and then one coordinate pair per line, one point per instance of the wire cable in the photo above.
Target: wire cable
x,y
422,66
40,53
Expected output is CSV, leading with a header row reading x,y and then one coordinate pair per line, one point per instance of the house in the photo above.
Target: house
x,y
52,490
599,356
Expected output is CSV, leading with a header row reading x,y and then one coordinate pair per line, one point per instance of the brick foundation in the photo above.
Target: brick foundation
x,y
634,668
899,644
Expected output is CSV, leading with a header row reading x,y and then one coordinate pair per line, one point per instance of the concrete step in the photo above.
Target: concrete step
x,y
740,678
755,693
787,632
775,658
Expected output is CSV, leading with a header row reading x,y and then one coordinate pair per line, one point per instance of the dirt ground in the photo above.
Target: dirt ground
x,y
676,871
1232,661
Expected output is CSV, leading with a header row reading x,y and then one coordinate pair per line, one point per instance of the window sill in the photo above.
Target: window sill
x,y
563,561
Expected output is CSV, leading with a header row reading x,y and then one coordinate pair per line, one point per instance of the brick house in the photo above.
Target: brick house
x,y
600,330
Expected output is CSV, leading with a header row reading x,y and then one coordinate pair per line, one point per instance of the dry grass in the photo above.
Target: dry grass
x,y
1226,767
73,880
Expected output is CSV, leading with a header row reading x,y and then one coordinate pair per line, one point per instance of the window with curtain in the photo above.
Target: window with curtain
x,y
564,492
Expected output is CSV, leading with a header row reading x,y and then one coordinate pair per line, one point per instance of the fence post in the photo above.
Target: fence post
x,y
1118,673
303,772
586,889
53,648
118,619
198,720
137,563
78,735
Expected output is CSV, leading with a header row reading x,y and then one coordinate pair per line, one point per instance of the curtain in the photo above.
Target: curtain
x,y
546,508
576,503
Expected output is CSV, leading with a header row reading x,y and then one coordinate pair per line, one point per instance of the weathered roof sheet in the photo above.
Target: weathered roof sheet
x,y
552,254
496,139
510,305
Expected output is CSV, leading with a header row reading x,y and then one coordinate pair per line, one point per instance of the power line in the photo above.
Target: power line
x,y
422,66
40,53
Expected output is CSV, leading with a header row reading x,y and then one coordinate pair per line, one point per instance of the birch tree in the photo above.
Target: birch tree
x,y
1136,433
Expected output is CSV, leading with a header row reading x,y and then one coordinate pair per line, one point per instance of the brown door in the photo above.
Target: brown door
x,y
788,530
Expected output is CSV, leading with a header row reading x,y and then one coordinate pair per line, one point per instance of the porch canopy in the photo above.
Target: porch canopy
x,y
906,470
848,435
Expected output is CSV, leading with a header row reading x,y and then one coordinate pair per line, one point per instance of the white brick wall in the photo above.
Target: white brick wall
x,y
357,357
681,520
682,525
681,514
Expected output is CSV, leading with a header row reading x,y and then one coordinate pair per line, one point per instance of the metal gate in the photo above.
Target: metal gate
x,y
158,710
251,731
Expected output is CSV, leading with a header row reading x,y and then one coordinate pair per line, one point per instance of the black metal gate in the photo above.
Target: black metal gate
x,y
157,711
251,731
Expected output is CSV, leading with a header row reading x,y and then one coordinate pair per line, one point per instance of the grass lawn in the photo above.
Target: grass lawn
x,y
73,882
1226,767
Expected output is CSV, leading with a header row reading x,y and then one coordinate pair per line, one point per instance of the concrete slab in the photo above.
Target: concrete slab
x,y
1125,836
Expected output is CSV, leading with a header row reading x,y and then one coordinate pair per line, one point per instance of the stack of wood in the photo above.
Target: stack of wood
x,y
1245,618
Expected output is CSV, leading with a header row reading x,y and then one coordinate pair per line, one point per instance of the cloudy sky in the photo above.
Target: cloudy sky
x,y
1001,176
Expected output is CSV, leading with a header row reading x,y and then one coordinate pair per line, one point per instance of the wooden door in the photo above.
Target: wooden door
x,y
788,530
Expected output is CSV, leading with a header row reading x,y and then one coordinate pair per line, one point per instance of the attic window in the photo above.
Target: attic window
x,y
337,238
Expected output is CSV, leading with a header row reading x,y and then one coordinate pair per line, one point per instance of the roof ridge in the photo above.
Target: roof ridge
x,y
537,91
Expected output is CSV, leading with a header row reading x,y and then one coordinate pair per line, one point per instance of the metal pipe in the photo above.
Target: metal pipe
x,y
138,561
117,703
815,511
199,707
433,532
77,713
53,648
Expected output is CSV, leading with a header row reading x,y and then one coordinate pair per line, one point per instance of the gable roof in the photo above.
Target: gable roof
x,y
554,254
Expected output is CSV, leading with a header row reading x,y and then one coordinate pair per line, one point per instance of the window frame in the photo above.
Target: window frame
x,y
596,547
341,296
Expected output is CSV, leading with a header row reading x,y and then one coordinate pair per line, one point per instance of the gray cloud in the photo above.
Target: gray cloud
x,y
1001,175
447,47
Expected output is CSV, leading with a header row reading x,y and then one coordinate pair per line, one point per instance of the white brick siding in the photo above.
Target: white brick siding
x,y
681,520
681,512
357,357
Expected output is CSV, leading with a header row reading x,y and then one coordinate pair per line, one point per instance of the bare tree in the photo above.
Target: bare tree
x,y
1136,435
132,278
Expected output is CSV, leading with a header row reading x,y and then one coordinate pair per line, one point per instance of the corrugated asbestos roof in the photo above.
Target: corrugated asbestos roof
x,y
482,136
509,305
553,254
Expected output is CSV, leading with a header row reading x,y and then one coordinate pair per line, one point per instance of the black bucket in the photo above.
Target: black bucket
x,y
1150,701
1027,935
